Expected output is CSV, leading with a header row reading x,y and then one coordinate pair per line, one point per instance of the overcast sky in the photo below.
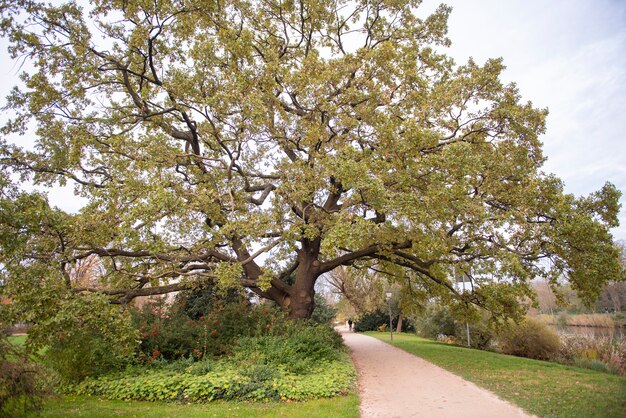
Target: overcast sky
x,y
566,55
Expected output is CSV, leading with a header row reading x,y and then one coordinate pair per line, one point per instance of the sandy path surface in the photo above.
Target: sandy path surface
x,y
394,383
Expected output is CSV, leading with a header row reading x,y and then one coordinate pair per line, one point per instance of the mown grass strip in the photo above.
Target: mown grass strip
x,y
92,407
542,388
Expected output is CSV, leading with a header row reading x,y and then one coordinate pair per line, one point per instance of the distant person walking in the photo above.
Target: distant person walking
x,y
350,324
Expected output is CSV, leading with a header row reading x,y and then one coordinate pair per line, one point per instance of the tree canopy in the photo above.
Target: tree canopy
x,y
263,143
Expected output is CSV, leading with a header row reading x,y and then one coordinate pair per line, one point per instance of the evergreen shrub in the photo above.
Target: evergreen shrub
x,y
373,321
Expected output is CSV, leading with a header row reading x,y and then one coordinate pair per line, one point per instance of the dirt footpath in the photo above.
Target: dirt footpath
x,y
394,383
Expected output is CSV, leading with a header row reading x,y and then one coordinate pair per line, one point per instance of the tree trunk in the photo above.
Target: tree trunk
x,y
302,304
302,295
302,298
299,298
399,326
299,301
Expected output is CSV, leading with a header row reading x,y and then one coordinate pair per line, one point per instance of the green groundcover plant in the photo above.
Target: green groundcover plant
x,y
289,361
227,381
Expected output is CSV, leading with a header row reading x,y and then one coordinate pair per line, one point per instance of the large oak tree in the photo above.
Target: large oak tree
x,y
263,143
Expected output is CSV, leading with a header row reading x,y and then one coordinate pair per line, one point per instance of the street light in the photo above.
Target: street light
x,y
388,294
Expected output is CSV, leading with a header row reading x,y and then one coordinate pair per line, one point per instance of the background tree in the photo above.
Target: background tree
x,y
546,299
246,142
613,296
363,290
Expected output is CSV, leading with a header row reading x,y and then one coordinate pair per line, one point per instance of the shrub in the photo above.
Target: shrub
x,y
562,319
273,359
323,313
298,350
260,382
22,383
371,321
87,337
435,321
169,333
481,335
596,365
531,338
201,367
199,302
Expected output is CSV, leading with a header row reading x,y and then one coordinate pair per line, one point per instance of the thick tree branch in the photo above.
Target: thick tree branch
x,y
346,259
127,295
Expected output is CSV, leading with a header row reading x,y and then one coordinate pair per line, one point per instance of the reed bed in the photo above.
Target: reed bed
x,y
581,320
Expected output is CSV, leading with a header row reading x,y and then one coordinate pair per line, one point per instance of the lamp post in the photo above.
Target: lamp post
x,y
388,294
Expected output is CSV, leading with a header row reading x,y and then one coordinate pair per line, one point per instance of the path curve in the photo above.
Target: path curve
x,y
394,383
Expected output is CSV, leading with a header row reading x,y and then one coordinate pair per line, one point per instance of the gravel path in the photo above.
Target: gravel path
x,y
394,383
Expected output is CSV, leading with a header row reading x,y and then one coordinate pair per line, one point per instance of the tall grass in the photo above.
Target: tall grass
x,y
581,320
603,354
591,320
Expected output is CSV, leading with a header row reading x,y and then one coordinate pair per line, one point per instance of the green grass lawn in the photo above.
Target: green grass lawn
x,y
17,339
85,406
542,388
20,340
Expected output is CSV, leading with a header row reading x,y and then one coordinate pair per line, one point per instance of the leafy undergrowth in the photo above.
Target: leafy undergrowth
x,y
540,387
23,383
92,407
289,362
225,381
